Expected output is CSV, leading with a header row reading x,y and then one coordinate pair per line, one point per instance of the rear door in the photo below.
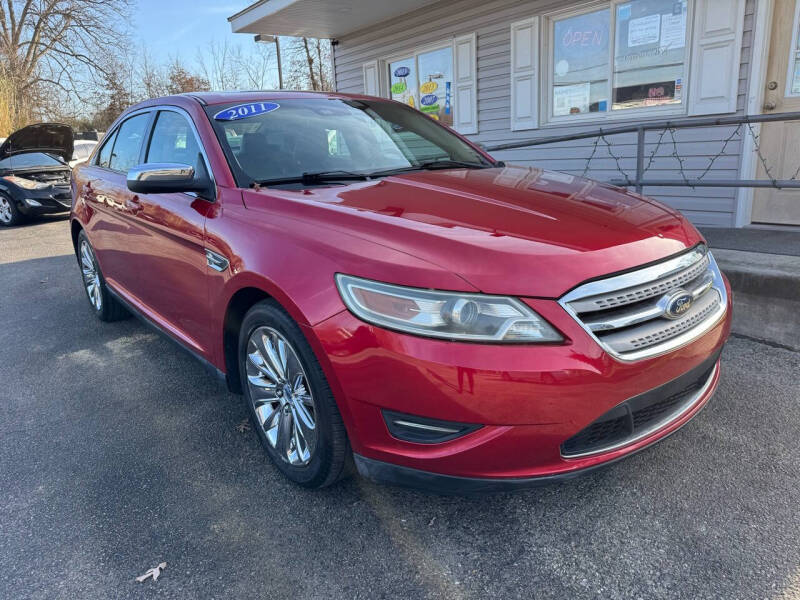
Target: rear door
x,y
169,247
112,230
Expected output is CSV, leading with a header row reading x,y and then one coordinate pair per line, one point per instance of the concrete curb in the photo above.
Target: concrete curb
x,y
766,295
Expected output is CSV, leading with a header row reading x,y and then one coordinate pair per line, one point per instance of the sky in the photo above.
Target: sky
x,y
171,28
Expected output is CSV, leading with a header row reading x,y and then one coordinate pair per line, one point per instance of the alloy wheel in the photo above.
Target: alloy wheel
x,y
5,210
91,276
281,396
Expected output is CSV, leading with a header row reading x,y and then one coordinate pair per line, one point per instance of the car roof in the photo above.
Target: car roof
x,y
214,98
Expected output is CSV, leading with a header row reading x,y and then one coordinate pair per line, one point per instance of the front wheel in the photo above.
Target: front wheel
x,y
9,213
289,399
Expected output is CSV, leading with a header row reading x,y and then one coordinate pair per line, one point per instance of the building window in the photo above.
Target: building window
x,y
793,77
616,57
424,80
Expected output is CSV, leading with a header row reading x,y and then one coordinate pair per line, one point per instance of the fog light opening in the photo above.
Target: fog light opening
x,y
422,430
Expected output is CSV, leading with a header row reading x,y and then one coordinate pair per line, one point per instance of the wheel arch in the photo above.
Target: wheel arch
x,y
75,230
249,290
238,305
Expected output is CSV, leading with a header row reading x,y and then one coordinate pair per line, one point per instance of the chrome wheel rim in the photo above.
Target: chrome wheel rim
x,y
5,210
281,397
91,276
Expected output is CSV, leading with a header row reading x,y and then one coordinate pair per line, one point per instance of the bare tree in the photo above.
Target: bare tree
x,y
219,65
61,44
309,64
257,67
181,80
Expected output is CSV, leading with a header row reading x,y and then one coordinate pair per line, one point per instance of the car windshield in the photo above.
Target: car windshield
x,y
30,160
288,139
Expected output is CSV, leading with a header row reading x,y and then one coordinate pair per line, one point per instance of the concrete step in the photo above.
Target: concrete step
x,y
766,294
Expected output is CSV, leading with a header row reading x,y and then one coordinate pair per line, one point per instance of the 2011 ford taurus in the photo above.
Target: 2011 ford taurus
x,y
385,294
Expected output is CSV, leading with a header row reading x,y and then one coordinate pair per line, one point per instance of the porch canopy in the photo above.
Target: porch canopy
x,y
317,18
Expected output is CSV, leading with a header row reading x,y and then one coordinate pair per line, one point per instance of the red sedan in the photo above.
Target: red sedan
x,y
385,294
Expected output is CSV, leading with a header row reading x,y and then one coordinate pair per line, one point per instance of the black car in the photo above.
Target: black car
x,y
34,172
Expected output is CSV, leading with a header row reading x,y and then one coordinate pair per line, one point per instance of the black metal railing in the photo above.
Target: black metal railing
x,y
671,126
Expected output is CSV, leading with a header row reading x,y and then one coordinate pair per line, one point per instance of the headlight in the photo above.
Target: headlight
x,y
450,315
28,184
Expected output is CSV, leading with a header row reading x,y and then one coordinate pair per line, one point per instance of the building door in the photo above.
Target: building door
x,y
780,142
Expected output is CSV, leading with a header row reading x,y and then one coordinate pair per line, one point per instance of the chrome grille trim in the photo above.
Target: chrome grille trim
x,y
636,286
627,314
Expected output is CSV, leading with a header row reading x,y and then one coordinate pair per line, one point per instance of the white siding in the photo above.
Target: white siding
x,y
491,20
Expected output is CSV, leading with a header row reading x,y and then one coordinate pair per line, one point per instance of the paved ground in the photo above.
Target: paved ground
x,y
118,451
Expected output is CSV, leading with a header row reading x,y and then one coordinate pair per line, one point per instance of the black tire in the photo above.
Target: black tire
x,y
109,308
12,217
332,458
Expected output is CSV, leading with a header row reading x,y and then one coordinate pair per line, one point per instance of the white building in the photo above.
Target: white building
x,y
506,70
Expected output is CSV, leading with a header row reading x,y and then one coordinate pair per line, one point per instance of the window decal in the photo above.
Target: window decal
x,y
243,111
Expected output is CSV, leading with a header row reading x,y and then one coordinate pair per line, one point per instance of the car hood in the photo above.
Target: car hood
x,y
511,230
53,138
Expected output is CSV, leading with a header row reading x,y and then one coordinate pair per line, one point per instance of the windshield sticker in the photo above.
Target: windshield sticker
x,y
243,111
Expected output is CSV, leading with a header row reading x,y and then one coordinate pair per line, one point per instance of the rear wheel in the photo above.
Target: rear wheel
x,y
9,213
104,305
289,399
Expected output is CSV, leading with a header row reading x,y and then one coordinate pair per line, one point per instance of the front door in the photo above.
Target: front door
x,y
111,229
170,252
780,142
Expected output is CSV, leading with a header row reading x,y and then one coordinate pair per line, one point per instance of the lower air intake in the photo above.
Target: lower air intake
x,y
642,415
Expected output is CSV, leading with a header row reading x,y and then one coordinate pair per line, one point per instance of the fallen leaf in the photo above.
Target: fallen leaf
x,y
243,426
155,572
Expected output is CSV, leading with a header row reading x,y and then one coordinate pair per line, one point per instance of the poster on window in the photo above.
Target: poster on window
x,y
436,84
571,99
673,30
644,30
403,81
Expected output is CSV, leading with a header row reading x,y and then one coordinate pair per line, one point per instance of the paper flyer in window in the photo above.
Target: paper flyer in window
x,y
571,99
673,31
644,30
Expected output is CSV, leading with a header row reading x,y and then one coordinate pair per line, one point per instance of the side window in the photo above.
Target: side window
x,y
129,143
173,141
104,156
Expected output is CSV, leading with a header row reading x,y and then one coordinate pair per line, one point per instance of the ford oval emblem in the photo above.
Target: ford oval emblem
x,y
402,72
676,304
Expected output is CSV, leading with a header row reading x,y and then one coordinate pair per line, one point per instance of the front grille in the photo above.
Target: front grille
x,y
631,315
642,415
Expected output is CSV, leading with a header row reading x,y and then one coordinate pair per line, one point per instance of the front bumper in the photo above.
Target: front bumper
x,y
40,202
529,400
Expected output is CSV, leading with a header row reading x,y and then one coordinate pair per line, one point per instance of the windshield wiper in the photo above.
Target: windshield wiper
x,y
316,178
447,163
442,163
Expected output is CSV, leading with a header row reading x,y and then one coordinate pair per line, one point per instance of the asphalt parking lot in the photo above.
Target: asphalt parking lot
x,y
118,451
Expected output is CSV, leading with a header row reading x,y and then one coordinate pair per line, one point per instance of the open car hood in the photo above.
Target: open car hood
x,y
53,138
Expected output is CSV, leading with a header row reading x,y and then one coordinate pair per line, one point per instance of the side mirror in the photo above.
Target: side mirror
x,y
165,178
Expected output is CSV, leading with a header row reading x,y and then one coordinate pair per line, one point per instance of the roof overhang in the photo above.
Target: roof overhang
x,y
317,18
